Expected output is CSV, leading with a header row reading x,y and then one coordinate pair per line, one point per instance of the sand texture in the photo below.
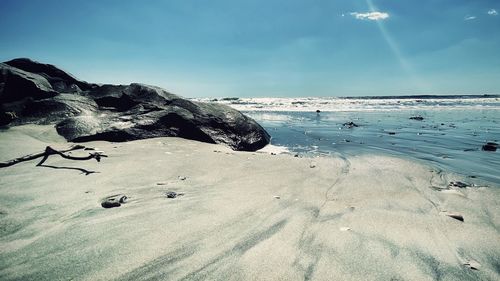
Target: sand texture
x,y
237,215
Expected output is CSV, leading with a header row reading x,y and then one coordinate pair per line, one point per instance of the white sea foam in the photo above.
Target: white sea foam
x,y
330,104
274,149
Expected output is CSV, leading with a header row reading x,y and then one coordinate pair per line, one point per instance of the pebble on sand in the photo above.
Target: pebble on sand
x,y
114,201
173,194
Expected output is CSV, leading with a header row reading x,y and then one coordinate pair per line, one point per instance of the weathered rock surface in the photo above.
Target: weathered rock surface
x,y
58,79
16,84
43,94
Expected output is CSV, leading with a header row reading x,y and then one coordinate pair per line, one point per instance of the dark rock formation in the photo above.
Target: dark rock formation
x,y
16,85
173,194
58,79
43,94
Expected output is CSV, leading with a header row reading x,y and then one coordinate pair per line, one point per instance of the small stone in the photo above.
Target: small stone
x,y
110,204
171,194
391,133
277,197
182,178
345,228
114,201
161,183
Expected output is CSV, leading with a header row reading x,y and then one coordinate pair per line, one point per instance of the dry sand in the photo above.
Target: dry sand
x,y
243,216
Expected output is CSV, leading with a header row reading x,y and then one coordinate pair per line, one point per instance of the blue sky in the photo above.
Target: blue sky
x,y
265,47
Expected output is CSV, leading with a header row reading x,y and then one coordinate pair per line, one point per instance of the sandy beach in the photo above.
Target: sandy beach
x,y
237,216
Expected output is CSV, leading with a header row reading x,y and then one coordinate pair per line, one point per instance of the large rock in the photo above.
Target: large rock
x,y
17,85
58,79
86,112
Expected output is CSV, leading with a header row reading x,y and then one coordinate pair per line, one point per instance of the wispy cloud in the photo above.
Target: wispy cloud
x,y
470,18
492,12
370,16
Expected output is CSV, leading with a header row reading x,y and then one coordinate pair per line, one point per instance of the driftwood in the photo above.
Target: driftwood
x,y
50,151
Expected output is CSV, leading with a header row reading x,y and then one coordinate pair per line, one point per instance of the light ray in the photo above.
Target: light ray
x,y
405,65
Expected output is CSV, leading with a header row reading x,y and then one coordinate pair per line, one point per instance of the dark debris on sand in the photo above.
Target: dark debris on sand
x,y
490,146
173,194
418,118
350,125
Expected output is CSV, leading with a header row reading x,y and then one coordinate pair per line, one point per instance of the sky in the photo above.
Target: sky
x,y
264,48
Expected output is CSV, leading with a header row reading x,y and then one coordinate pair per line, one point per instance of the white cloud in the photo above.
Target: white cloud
x,y
370,16
470,18
492,12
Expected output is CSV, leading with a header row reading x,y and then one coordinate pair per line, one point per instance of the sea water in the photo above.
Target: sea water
x,y
449,137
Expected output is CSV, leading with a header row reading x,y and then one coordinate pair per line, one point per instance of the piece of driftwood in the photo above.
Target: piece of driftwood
x,y
50,151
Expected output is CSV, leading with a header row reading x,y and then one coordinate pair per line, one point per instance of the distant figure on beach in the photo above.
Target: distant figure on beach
x,y
318,116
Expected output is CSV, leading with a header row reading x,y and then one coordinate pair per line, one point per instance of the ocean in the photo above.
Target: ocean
x,y
448,133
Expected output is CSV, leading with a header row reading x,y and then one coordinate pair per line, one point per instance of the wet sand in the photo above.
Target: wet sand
x,y
241,216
